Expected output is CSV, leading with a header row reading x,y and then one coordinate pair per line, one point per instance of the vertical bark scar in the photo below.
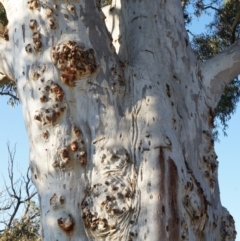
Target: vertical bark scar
x,y
23,32
162,192
173,198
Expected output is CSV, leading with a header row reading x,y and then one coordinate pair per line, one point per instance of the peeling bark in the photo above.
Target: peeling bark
x,y
121,145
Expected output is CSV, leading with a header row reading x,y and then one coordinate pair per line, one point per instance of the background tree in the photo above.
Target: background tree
x,y
222,32
19,210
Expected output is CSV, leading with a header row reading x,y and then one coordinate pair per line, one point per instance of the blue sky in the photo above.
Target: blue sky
x,y
12,130
228,151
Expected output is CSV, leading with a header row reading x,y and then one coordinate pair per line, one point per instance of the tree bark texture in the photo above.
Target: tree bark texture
x,y
119,129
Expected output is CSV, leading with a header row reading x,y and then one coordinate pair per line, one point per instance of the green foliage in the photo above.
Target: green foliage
x,y
3,17
226,23
227,104
25,228
195,8
222,32
10,90
206,46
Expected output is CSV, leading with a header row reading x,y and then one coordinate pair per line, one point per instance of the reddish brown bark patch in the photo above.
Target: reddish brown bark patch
x,y
174,226
74,62
162,205
162,171
210,119
33,4
66,224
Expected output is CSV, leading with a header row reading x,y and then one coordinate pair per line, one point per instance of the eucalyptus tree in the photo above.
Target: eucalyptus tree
x,y
119,119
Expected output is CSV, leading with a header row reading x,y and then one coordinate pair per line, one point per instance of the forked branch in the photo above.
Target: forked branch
x,y
17,194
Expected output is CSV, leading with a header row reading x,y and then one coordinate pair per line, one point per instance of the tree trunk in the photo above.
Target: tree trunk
x,y
120,141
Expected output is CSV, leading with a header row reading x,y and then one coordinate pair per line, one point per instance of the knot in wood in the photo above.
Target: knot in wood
x,y
33,4
66,223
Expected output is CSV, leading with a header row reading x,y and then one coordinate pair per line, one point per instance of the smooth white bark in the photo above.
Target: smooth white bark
x,y
220,71
121,146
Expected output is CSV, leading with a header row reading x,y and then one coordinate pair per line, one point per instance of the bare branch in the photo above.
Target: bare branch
x,y
9,94
234,26
13,214
12,202
213,8
10,172
221,12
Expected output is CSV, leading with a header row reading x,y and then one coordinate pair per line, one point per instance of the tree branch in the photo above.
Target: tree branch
x,y
222,13
12,202
10,94
219,71
234,26
205,7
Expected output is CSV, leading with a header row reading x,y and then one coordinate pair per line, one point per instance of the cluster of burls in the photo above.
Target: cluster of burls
x,y
74,62
50,114
111,205
36,38
33,4
195,206
228,231
210,163
75,151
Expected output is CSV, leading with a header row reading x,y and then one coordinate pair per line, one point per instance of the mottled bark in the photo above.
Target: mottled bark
x,y
219,71
5,60
120,143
